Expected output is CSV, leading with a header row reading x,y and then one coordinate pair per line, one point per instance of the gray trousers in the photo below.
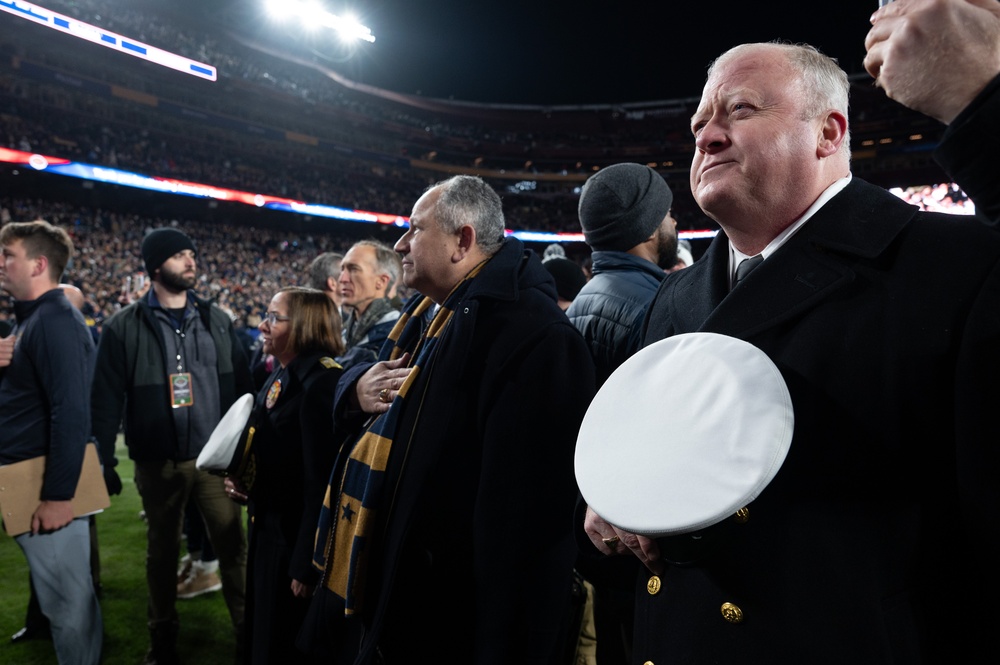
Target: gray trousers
x,y
60,572
165,488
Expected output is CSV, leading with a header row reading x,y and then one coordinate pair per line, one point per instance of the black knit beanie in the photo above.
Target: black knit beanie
x,y
160,244
621,205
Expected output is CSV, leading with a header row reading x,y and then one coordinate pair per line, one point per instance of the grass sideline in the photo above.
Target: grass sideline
x,y
206,636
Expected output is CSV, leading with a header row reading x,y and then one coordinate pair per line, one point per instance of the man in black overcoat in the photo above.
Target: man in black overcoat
x,y
447,531
875,542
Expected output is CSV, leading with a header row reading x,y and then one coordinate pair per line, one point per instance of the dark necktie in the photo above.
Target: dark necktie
x,y
745,267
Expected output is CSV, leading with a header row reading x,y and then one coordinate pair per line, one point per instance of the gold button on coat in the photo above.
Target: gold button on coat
x,y
732,613
653,585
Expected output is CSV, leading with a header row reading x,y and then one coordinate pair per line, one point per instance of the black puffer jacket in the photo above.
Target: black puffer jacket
x,y
610,308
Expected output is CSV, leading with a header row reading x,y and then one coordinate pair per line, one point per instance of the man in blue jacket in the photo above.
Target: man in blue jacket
x,y
625,215
45,410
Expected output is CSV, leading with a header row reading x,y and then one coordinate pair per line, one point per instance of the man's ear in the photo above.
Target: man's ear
x,y
466,243
331,284
833,132
41,265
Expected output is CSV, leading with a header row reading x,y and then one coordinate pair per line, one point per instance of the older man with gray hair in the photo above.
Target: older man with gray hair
x,y
463,435
367,272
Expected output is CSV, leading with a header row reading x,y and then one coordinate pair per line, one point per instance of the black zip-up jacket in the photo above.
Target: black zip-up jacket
x,y
130,379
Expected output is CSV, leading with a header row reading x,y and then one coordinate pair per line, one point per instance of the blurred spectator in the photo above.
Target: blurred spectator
x,y
365,275
569,279
625,215
684,256
324,275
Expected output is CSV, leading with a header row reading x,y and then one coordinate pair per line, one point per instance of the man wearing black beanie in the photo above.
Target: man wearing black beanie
x,y
625,215
170,365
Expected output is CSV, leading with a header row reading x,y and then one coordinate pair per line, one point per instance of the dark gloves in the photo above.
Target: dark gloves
x,y
112,480
108,463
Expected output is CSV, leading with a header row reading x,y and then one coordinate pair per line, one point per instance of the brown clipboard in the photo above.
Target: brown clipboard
x,y
21,489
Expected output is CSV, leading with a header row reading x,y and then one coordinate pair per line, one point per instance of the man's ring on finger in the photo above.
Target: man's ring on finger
x,y
611,542
383,396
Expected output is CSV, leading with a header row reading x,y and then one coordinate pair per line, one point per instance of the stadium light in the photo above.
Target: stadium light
x,y
276,9
312,14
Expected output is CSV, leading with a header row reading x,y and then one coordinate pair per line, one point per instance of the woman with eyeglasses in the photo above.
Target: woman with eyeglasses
x,y
288,460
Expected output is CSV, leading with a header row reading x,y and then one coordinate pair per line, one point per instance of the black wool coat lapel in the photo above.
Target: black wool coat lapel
x,y
816,262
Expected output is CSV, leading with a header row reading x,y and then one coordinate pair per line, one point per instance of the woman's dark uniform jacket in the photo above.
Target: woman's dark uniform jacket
x,y
291,455
877,540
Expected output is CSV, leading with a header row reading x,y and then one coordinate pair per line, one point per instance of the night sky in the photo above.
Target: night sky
x,y
582,52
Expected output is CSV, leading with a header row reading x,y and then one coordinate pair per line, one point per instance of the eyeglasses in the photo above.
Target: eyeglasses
x,y
271,318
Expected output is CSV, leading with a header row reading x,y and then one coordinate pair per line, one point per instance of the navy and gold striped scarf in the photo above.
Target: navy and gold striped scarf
x,y
356,491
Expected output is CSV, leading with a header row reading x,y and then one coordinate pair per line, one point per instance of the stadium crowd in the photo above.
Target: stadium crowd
x,y
353,149
242,267
467,398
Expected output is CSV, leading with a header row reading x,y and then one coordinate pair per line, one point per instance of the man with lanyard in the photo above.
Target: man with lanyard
x,y
170,364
